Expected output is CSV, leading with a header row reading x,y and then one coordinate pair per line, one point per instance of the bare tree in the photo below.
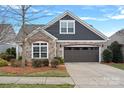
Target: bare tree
x,y
25,14
4,28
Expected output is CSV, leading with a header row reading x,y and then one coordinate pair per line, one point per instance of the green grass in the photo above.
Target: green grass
x,y
36,86
50,73
118,65
6,74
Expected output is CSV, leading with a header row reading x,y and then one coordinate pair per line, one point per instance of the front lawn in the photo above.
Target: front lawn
x,y
34,72
51,73
36,86
117,65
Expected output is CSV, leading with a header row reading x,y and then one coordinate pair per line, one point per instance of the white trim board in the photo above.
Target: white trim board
x,y
96,41
81,45
77,19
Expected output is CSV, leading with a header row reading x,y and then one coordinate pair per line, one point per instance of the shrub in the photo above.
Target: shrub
x,y
3,56
16,64
40,62
11,51
54,63
107,55
45,62
9,54
3,62
36,63
116,50
20,58
61,61
9,57
6,56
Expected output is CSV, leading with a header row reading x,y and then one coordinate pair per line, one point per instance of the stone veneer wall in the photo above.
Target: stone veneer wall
x,y
40,37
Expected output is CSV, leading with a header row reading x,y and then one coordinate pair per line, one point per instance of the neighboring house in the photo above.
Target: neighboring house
x,y
66,36
7,37
119,37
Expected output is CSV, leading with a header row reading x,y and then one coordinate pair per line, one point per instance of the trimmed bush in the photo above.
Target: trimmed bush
x,y
40,62
45,62
9,54
107,55
36,63
115,47
3,62
16,64
54,63
20,58
6,56
9,57
11,51
3,56
61,61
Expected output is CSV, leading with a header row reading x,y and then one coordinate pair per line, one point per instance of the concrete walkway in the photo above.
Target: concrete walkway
x,y
95,75
36,80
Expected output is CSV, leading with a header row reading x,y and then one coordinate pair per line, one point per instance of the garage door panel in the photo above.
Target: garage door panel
x,y
83,55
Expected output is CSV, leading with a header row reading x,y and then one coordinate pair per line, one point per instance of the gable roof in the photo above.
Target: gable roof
x,y
120,32
28,28
31,28
118,36
91,28
41,30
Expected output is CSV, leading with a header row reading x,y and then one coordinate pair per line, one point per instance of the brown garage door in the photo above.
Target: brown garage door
x,y
81,54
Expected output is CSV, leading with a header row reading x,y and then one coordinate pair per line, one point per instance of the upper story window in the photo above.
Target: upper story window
x,y
67,26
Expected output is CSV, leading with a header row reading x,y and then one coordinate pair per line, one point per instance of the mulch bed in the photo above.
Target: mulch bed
x,y
29,69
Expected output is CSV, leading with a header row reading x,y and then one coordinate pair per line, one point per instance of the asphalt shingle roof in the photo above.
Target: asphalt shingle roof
x,y
28,29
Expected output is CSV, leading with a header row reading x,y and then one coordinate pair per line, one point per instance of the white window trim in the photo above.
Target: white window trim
x,y
67,26
40,49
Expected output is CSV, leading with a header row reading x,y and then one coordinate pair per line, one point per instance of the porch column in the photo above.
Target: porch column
x,y
17,51
100,54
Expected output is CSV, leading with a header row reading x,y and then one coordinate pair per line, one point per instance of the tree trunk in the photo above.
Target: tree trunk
x,y
23,39
23,55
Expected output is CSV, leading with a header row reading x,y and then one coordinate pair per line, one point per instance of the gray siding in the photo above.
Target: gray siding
x,y
81,32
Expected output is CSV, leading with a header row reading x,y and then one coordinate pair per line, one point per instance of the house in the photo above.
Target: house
x,y
65,36
7,37
119,37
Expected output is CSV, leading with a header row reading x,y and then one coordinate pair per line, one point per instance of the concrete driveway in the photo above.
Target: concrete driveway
x,y
95,75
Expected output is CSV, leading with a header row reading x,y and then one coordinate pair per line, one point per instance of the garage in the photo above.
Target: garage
x,y
81,54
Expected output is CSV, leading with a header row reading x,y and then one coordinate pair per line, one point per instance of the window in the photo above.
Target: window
x,y
63,27
40,50
67,26
70,27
